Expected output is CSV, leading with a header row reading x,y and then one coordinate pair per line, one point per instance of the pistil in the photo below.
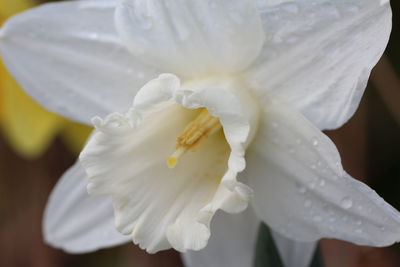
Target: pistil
x,y
203,126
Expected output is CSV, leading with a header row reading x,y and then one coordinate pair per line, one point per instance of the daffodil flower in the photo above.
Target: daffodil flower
x,y
202,106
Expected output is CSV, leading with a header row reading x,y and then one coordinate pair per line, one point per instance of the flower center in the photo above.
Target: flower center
x,y
194,134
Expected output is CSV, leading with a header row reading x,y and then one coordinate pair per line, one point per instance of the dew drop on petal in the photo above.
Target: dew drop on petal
x,y
93,36
315,141
346,203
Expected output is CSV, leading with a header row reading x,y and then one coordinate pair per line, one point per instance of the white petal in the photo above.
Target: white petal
x,y
302,191
191,37
232,243
294,253
77,222
69,57
318,54
126,158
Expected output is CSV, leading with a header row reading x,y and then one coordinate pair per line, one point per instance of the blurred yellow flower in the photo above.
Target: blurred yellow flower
x,y
28,127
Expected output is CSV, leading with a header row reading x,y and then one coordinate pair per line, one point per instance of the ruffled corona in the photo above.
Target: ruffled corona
x,y
125,158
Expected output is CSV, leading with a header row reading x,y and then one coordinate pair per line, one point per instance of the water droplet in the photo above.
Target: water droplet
x,y
315,141
307,203
346,203
93,36
322,182
383,228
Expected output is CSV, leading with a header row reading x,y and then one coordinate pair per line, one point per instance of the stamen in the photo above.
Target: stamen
x,y
194,134
173,159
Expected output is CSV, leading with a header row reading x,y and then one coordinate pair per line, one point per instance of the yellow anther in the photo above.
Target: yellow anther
x,y
193,135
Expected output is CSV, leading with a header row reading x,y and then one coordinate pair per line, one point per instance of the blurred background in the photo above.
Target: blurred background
x,y
36,147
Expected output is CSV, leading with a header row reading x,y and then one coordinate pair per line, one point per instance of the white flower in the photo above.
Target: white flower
x,y
256,80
